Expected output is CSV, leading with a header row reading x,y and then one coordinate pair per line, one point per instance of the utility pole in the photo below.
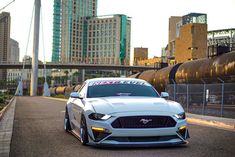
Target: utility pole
x,y
34,73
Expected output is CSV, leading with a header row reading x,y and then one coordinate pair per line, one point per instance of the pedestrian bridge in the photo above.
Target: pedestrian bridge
x,y
51,65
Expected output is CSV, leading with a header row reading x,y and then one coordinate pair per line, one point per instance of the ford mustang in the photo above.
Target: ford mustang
x,y
124,112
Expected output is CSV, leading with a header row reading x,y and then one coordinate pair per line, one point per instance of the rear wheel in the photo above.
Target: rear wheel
x,y
67,126
83,131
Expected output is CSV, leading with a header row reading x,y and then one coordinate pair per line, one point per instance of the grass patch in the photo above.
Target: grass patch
x,y
4,99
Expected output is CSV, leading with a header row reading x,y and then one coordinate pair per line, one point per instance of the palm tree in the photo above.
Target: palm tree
x,y
66,73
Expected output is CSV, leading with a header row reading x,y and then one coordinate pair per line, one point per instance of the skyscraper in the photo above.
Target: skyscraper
x,y
13,56
85,37
14,52
108,40
5,22
56,47
75,14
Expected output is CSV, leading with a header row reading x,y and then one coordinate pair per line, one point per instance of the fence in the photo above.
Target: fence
x,y
206,99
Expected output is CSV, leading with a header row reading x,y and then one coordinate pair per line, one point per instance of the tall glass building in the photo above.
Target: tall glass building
x,y
5,25
87,38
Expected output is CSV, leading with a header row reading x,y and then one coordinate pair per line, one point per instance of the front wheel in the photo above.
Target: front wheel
x,y
67,126
83,131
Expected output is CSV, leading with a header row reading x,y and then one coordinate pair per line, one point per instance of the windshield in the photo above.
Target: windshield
x,y
106,90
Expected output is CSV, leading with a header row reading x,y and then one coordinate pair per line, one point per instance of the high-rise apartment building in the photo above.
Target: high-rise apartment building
x,y
108,40
69,28
14,52
80,36
56,47
13,57
5,21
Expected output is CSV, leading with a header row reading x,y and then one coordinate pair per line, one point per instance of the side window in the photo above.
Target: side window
x,y
82,90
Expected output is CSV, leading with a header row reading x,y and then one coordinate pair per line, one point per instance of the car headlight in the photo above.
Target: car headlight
x,y
99,116
180,116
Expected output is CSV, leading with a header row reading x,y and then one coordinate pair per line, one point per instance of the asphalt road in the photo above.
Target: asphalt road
x,y
38,132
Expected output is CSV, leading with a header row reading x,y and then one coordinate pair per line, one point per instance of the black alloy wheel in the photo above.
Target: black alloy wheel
x,y
83,131
67,126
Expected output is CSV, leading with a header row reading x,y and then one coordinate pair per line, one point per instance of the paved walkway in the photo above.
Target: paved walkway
x,y
216,122
6,127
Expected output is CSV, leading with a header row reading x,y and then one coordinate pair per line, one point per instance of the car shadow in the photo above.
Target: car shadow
x,y
110,148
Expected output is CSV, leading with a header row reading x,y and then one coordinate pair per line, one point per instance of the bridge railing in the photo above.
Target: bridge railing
x,y
10,62
60,65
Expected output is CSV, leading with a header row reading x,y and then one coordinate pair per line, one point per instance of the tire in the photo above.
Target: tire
x,y
83,131
67,126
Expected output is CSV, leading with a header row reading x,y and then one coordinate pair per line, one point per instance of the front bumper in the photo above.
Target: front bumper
x,y
135,145
138,137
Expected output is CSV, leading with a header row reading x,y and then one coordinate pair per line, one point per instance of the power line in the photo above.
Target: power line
x,y
7,5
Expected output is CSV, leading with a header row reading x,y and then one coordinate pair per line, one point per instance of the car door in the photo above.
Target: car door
x,y
77,108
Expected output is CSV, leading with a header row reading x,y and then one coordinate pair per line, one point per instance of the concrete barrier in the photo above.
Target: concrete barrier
x,y
3,111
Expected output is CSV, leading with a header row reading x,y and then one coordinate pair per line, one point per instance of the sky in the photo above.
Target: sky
x,y
149,20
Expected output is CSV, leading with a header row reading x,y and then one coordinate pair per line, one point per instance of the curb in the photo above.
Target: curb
x,y
215,122
3,111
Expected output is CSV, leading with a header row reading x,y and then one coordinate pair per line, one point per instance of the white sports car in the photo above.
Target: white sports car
x,y
124,112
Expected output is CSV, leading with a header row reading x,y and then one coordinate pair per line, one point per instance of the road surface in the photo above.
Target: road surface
x,y
38,132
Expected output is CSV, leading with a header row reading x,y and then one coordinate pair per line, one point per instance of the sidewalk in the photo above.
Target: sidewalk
x,y
6,128
216,122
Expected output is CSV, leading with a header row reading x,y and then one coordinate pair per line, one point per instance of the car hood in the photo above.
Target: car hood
x,y
111,105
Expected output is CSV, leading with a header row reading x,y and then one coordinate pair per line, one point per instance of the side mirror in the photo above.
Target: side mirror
x,y
75,95
164,95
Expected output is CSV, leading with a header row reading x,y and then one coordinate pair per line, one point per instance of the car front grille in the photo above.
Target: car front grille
x,y
144,122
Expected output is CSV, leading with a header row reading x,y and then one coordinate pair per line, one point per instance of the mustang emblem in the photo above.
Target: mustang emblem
x,y
145,121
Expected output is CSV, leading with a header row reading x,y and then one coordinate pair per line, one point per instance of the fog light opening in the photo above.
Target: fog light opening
x,y
183,128
182,131
100,133
96,129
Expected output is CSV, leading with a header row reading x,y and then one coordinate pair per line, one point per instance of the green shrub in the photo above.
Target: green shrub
x,y
2,99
